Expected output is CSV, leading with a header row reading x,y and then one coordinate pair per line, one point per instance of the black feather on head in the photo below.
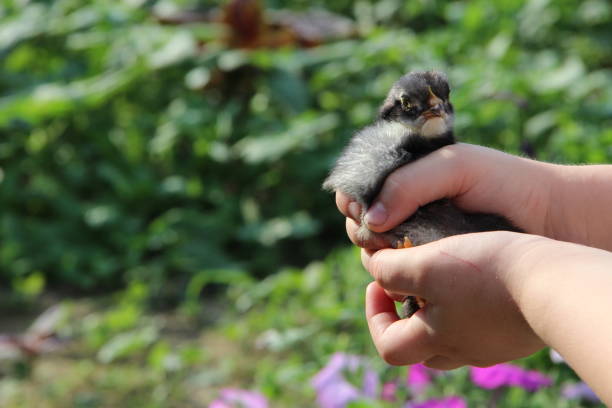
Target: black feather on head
x,y
416,89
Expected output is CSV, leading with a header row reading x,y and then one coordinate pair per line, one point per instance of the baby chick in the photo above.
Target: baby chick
x,y
415,119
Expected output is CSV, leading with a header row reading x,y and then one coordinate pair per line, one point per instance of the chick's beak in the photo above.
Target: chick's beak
x,y
435,104
433,112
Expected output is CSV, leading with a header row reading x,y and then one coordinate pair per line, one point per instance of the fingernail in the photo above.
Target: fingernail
x,y
354,210
376,215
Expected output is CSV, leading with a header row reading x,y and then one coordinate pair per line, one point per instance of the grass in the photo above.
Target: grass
x,y
270,336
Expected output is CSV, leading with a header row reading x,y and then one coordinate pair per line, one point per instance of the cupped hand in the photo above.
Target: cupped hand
x,y
471,284
475,178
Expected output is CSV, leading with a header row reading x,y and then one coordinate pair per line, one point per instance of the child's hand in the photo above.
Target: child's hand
x,y
568,203
493,297
475,178
470,283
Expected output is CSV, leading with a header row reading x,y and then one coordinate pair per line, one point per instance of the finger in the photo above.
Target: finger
x,y
397,297
438,175
443,363
348,206
364,238
366,254
351,230
398,341
402,271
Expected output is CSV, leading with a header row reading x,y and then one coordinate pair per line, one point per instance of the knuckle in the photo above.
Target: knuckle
x,y
355,239
453,157
375,268
352,230
387,277
361,236
397,277
393,357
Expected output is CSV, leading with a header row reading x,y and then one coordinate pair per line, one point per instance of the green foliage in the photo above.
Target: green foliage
x,y
29,286
273,337
290,323
158,158
130,150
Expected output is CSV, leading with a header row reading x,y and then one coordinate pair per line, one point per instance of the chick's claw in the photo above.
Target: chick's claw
x,y
405,243
411,305
420,301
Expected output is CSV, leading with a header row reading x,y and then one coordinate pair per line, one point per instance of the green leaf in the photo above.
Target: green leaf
x,y
302,132
127,344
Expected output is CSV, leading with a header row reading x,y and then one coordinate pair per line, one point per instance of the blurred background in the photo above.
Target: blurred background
x,y
163,233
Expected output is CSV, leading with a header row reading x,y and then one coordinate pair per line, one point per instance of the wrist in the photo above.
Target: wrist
x,y
564,295
579,205
533,274
517,188
552,281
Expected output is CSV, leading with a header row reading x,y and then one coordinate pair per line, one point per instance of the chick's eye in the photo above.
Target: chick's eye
x,y
407,106
410,109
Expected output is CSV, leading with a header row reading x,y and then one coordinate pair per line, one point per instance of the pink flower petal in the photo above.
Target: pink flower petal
x,y
419,377
508,375
388,391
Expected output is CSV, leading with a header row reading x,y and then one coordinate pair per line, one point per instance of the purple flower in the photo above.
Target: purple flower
x,y
579,390
532,380
337,395
370,383
508,375
237,398
388,391
447,402
419,377
334,390
219,404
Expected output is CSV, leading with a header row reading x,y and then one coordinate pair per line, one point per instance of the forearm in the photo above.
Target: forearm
x,y
580,209
566,298
566,203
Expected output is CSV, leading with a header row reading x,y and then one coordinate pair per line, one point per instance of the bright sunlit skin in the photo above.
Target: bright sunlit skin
x,y
467,298
496,296
569,203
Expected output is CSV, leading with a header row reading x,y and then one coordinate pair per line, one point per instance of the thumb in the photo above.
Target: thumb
x,y
438,175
